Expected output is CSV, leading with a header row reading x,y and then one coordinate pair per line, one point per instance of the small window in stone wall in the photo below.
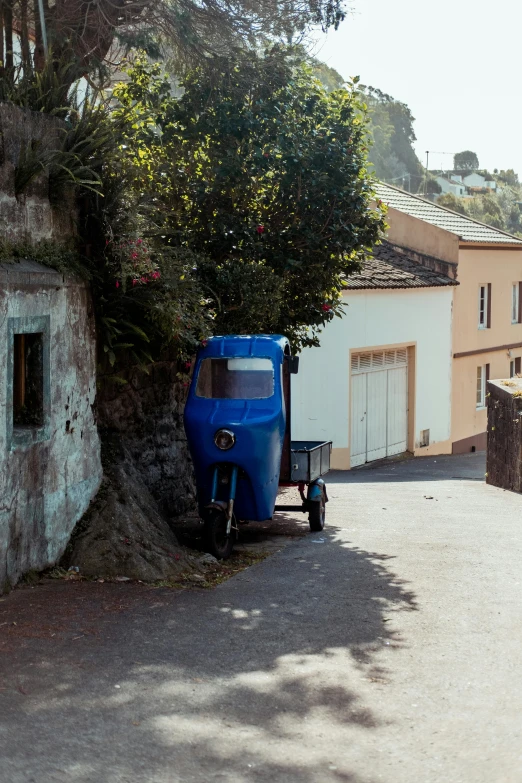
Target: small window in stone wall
x,y
28,396
28,408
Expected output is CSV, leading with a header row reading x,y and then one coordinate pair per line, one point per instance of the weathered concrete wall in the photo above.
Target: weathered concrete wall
x,y
30,216
504,449
48,473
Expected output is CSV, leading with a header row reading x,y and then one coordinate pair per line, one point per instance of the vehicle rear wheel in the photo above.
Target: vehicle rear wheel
x,y
215,534
317,513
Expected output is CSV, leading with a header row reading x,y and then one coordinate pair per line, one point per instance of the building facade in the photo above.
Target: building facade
x,y
487,314
380,383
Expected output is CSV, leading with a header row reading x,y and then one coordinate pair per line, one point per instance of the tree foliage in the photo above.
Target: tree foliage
x,y
265,179
466,160
392,153
329,77
453,202
500,210
239,207
507,177
89,34
251,193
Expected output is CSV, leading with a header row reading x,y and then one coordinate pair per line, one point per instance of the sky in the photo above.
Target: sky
x,y
456,63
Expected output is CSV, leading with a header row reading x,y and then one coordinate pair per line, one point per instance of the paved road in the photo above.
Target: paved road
x,y
388,649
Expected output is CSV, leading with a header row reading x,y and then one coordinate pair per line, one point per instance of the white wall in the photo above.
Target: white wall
x,y
375,319
475,180
451,187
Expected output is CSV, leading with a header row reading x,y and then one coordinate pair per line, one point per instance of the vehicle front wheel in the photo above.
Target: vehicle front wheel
x,y
317,514
215,534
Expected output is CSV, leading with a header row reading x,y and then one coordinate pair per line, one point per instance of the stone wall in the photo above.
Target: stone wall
x,y
50,465
146,417
147,481
50,469
30,216
504,448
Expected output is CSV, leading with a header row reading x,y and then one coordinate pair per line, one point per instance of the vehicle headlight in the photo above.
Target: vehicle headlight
x,y
224,439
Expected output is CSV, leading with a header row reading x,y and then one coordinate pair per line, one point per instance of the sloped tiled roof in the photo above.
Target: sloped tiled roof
x,y
392,267
465,228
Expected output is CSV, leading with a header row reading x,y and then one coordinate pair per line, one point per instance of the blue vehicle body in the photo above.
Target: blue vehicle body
x,y
258,425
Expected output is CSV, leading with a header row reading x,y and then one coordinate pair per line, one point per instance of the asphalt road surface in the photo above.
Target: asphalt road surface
x,y
387,649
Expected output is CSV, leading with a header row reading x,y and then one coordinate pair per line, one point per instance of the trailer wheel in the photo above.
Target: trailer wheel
x,y
317,513
215,534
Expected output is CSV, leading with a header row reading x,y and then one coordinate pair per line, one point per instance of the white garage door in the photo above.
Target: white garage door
x,y
379,405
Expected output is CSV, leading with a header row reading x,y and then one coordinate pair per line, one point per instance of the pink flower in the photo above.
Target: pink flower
x,y
134,255
117,283
135,281
204,343
139,241
187,365
326,308
260,229
144,280
156,275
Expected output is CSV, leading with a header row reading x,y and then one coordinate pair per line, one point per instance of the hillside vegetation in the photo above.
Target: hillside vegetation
x,y
393,160
500,209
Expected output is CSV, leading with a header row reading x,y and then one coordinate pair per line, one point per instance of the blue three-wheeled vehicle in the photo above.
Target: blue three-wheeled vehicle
x,y
237,421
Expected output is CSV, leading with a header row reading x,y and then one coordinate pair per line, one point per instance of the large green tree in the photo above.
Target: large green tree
x,y
467,160
263,177
391,128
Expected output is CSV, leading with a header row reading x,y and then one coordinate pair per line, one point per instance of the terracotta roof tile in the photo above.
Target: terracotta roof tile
x,y
392,267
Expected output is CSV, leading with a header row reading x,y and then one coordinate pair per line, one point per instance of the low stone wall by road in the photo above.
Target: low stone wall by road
x,y
504,449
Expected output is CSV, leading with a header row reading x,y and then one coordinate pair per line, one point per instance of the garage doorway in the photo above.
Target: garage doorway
x,y
379,405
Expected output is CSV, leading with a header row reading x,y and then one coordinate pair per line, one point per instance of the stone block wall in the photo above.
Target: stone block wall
x,y
504,447
145,416
50,466
30,216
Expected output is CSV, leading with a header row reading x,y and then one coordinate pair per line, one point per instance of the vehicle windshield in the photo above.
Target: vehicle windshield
x,y
248,378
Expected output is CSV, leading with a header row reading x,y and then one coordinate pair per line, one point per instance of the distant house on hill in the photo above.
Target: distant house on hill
x,y
474,179
448,185
464,183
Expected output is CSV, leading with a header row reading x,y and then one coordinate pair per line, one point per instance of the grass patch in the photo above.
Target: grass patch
x,y
215,574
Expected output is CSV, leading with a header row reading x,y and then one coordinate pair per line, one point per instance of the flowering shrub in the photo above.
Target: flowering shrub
x,y
134,262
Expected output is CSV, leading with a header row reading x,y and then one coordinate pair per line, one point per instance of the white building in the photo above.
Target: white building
x,y
380,383
451,186
475,179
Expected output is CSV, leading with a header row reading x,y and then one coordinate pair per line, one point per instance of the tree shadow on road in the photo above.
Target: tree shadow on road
x,y
259,679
